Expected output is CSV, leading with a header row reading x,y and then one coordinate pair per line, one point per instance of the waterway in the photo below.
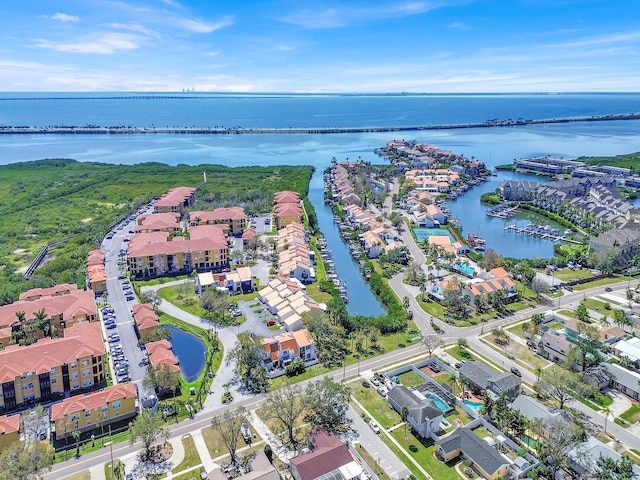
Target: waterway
x,y
473,215
190,351
361,300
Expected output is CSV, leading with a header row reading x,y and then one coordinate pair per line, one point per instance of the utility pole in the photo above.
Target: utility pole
x,y
111,451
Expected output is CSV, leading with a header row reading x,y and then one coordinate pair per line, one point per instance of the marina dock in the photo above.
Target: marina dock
x,y
541,231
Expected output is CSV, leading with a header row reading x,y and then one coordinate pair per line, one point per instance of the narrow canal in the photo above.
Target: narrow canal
x,y
361,300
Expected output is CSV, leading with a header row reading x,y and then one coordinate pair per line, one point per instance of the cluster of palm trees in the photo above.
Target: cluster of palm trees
x,y
24,328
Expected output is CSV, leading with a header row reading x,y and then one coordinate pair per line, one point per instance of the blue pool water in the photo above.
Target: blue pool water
x,y
438,401
423,234
466,269
473,405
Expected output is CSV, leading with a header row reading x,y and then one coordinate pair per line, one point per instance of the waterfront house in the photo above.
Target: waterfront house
x,y
327,458
287,209
53,367
175,200
94,411
423,416
484,458
624,240
517,190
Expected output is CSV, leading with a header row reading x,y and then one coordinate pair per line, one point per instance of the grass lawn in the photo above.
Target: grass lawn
x,y
83,475
410,379
524,355
424,453
461,353
191,456
159,281
432,308
214,442
107,469
189,475
314,291
275,426
599,306
377,406
517,329
632,415
568,275
596,283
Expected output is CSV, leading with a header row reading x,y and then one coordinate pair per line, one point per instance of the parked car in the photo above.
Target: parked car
x,y
375,382
608,289
124,378
382,391
458,365
516,372
236,313
271,322
111,326
374,426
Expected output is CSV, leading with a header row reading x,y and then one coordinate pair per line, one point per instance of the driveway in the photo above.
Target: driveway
x,y
256,316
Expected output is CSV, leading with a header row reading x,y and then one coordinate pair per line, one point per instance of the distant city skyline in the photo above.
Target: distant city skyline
x,y
278,46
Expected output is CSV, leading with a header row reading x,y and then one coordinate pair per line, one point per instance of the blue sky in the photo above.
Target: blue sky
x,y
437,46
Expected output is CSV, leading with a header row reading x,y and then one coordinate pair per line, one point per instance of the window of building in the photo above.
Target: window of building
x,y
74,365
54,380
87,413
85,362
75,386
87,383
86,373
53,370
116,404
75,375
105,408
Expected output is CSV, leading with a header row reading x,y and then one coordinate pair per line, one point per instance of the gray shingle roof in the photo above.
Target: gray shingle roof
x,y
473,447
421,410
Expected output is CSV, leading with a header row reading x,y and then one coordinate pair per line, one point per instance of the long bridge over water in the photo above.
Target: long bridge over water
x,y
131,130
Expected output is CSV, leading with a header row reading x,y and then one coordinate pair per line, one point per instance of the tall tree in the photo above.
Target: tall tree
x,y
559,384
608,468
247,355
26,461
327,403
431,342
286,406
229,427
148,428
162,378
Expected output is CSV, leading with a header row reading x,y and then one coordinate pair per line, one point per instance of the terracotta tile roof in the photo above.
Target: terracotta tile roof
x,y
145,317
9,424
303,338
76,303
80,340
174,197
158,222
93,400
286,196
160,353
219,214
217,232
249,234
62,289
96,273
95,257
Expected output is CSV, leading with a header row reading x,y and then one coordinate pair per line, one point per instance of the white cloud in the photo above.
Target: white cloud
x,y
63,17
134,27
199,26
458,26
106,43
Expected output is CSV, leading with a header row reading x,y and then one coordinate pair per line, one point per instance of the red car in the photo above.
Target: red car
x,y
271,322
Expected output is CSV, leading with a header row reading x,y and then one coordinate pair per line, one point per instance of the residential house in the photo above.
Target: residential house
x,y
623,380
145,320
533,410
328,458
606,335
583,458
494,280
629,349
175,200
9,430
93,411
373,244
484,458
423,414
258,468
517,190
52,367
281,350
239,281
554,346
286,298
158,222
481,378
233,217
624,240
206,280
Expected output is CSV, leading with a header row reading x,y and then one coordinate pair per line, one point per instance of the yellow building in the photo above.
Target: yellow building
x,y
95,410
52,368
9,430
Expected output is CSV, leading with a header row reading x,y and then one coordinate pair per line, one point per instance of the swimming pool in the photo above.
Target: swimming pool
x,y
438,401
423,234
464,268
473,405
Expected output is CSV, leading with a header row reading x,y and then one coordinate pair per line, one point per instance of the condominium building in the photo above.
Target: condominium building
x,y
53,367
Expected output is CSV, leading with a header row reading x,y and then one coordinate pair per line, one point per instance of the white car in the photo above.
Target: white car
x,y
374,426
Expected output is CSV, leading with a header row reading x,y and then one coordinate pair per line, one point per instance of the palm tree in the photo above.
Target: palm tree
x,y
538,372
76,436
606,411
405,416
